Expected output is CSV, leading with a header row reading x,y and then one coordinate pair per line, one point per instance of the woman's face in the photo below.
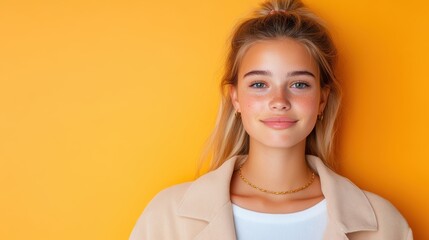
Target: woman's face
x,y
278,93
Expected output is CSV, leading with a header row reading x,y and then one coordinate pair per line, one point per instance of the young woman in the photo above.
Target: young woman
x,y
270,175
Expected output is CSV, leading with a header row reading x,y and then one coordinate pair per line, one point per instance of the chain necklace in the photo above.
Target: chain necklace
x,y
313,176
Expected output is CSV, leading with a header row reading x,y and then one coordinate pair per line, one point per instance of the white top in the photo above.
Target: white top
x,y
308,224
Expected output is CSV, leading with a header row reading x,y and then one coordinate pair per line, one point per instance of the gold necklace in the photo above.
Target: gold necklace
x,y
313,176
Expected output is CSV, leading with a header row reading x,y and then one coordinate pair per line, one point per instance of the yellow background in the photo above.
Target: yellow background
x,y
105,103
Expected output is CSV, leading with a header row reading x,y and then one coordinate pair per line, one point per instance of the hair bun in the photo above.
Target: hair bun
x,y
271,7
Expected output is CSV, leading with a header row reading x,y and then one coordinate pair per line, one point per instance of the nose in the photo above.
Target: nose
x,y
280,101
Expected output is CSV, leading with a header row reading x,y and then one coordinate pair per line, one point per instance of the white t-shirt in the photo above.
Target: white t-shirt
x,y
309,224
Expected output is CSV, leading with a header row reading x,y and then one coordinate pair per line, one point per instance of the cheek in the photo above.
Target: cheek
x,y
252,104
309,104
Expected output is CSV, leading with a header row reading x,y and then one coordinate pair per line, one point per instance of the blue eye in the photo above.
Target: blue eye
x,y
300,85
258,85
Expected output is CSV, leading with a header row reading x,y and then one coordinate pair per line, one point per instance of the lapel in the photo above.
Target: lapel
x,y
349,209
208,199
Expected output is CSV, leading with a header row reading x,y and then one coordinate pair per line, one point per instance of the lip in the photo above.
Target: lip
x,y
279,122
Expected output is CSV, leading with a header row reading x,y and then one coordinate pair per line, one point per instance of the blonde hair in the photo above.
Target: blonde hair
x,y
273,20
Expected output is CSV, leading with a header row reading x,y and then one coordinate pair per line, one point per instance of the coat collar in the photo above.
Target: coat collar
x,y
347,204
348,208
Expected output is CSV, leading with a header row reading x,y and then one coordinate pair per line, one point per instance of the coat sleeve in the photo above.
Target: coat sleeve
x,y
391,224
138,231
410,234
159,219
142,227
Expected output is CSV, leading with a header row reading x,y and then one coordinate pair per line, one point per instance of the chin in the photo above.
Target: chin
x,y
281,146
281,143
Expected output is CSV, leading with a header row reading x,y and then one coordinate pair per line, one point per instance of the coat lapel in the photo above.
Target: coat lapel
x,y
220,227
348,207
208,199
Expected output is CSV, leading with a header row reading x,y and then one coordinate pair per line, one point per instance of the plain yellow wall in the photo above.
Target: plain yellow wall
x,y
105,103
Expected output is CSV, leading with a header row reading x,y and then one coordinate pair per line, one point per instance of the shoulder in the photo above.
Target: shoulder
x,y
167,199
385,211
176,208
390,222
354,207
362,214
160,210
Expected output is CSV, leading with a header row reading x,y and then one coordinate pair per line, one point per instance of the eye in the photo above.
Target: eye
x,y
258,85
300,85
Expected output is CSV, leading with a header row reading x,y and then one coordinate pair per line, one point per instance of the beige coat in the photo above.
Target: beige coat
x,y
202,210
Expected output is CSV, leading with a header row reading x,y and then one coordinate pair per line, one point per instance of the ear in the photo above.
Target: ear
x,y
324,95
234,97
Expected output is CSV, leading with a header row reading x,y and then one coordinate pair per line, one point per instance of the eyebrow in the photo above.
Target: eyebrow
x,y
298,73
268,73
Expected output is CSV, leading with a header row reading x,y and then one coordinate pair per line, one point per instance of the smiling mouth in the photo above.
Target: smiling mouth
x,y
279,123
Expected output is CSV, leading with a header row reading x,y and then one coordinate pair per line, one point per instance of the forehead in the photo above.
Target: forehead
x,y
278,55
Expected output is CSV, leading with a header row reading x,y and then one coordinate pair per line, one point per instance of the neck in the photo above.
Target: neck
x,y
276,169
